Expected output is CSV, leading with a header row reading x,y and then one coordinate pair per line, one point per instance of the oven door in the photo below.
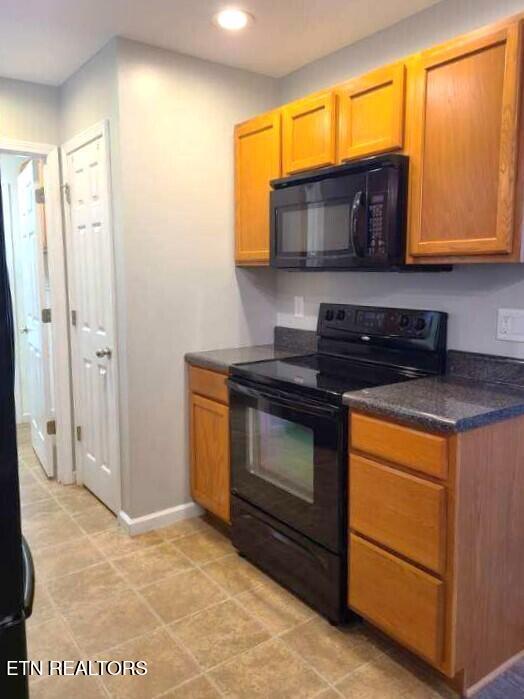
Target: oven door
x,y
288,459
320,224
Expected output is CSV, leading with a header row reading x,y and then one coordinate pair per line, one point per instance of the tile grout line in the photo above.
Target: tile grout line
x,y
166,626
195,565
61,616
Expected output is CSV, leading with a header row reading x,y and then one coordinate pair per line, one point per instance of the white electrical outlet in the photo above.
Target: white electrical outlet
x,y
299,307
510,324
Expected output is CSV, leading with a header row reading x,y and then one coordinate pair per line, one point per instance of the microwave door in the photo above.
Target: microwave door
x,y
320,225
336,232
315,229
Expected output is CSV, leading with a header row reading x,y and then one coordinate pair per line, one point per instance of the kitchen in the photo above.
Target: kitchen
x,y
338,513
313,351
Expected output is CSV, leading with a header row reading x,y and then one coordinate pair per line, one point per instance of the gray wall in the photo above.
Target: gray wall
x,y
437,23
29,112
171,121
89,96
472,294
182,291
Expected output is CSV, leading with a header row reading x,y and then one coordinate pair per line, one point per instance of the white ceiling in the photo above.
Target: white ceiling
x,y
47,40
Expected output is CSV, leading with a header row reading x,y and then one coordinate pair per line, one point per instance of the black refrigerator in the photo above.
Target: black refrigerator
x,y
16,568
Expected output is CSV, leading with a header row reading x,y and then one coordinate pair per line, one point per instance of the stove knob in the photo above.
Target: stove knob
x,y
329,314
341,314
404,321
420,324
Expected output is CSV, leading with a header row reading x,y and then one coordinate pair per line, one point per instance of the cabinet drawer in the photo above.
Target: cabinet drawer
x,y
427,453
402,600
403,512
208,383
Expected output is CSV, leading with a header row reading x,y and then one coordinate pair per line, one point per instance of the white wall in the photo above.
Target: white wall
x,y
182,290
28,112
472,294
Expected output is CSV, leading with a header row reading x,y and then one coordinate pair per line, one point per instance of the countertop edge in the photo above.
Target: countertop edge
x,y
434,423
192,359
207,359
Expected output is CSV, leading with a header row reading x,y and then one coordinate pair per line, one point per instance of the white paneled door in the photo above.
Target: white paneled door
x,y
32,246
90,255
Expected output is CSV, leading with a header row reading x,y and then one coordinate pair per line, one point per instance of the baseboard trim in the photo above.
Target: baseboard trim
x,y
156,520
475,688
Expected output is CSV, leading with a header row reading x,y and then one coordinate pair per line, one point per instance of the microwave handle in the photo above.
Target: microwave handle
x,y
358,201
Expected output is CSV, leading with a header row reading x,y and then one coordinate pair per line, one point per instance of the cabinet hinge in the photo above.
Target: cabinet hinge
x,y
40,195
66,189
73,318
46,315
51,427
78,433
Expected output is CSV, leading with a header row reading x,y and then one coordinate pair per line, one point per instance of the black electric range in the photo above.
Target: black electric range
x,y
289,441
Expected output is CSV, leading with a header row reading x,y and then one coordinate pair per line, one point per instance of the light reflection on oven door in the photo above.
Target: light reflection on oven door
x,y
282,453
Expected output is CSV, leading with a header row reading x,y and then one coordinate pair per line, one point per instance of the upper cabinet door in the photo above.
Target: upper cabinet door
x,y
371,113
309,132
464,145
257,161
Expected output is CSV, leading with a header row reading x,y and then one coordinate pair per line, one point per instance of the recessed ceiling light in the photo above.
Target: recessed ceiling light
x,y
233,19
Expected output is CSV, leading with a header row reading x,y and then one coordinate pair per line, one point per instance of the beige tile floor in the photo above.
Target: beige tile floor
x,y
208,623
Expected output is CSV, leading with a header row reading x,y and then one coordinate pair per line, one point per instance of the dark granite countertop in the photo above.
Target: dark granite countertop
x,y
441,404
477,390
222,360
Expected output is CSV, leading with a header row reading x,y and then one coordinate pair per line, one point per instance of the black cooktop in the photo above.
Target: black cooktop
x,y
324,375
359,347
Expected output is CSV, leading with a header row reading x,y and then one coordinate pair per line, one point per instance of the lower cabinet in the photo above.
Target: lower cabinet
x,y
209,442
436,534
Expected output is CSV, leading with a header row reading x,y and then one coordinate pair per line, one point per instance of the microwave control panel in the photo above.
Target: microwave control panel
x,y
376,224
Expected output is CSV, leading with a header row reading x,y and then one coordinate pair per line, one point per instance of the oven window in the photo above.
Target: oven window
x,y
282,453
316,228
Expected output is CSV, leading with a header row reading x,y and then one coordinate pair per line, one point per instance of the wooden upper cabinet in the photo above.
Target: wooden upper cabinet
x,y
464,145
371,113
309,132
257,161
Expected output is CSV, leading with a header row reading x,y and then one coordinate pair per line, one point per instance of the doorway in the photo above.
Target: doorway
x,y
59,241
26,233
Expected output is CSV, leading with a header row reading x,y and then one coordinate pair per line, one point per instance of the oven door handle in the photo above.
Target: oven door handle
x,y
300,404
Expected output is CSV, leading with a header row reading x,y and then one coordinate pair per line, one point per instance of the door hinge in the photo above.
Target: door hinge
x,y
51,427
66,189
73,318
46,315
78,433
40,195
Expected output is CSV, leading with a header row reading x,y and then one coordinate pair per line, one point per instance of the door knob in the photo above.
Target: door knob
x,y
105,352
24,331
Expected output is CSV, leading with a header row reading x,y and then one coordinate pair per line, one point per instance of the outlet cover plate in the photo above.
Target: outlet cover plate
x,y
510,324
299,307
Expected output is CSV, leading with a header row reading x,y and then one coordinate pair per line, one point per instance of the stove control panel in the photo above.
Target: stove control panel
x,y
408,327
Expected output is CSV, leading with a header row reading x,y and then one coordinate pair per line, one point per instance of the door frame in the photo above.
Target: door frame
x,y
65,472
100,129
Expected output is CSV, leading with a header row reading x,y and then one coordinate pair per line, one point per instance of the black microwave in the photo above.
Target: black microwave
x,y
350,216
